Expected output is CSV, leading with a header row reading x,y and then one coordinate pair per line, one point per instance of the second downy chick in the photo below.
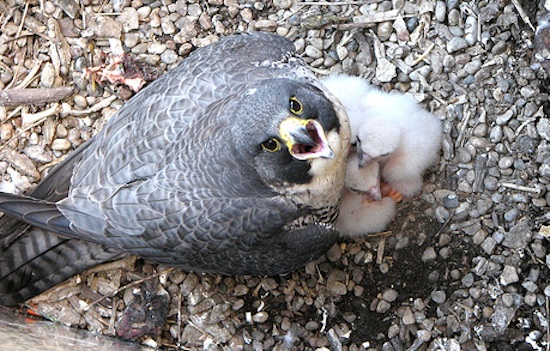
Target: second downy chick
x,y
363,210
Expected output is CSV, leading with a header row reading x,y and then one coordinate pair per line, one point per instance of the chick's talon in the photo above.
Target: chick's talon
x,y
388,191
396,195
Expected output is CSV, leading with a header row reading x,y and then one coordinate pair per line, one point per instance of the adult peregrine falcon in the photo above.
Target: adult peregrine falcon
x,y
233,162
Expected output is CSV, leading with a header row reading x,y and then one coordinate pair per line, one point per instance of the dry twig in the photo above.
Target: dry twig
x,y
537,191
31,118
31,96
368,20
95,108
522,14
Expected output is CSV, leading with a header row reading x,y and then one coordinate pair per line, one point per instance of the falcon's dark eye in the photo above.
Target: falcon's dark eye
x,y
271,145
296,106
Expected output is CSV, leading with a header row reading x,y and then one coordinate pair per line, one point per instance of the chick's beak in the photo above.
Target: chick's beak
x,y
375,192
364,158
305,138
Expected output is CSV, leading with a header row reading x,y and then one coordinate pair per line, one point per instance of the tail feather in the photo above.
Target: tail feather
x,y
40,213
33,256
33,260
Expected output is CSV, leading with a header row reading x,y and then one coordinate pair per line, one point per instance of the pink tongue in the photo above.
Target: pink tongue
x,y
304,149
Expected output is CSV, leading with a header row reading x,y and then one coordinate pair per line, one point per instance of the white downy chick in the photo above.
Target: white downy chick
x,y
360,212
359,215
391,128
365,179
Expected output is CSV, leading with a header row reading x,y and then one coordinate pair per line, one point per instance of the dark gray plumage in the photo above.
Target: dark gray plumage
x,y
233,162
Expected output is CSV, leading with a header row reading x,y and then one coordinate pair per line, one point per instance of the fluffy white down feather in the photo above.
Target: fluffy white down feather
x,y
363,179
363,210
391,128
360,215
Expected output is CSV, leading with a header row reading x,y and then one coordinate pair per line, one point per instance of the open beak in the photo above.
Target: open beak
x,y
305,138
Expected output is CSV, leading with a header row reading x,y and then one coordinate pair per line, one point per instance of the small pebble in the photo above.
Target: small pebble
x,y
468,280
260,317
489,245
408,316
334,253
282,4
451,201
47,76
438,296
509,275
429,254
313,52
61,145
265,25
383,306
80,101
440,11
470,30
456,44
390,295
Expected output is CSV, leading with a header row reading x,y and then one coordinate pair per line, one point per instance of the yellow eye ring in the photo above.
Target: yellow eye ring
x,y
295,105
271,145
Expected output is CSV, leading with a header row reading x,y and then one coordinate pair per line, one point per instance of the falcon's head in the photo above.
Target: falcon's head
x,y
293,134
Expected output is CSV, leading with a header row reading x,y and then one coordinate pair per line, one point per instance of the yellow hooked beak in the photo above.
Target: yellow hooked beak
x,y
305,138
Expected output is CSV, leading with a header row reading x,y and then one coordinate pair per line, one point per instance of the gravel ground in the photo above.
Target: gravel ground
x,y
464,266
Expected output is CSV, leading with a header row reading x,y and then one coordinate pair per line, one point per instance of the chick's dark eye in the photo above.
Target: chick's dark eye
x,y
271,145
295,105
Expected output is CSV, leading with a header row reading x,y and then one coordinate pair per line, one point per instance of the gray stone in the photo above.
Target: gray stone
x,y
129,19
456,44
260,317
47,76
488,245
518,236
105,27
334,253
408,316
509,275
504,314
429,254
440,11
382,306
451,201
543,128
468,280
390,295
313,52
334,340
438,296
